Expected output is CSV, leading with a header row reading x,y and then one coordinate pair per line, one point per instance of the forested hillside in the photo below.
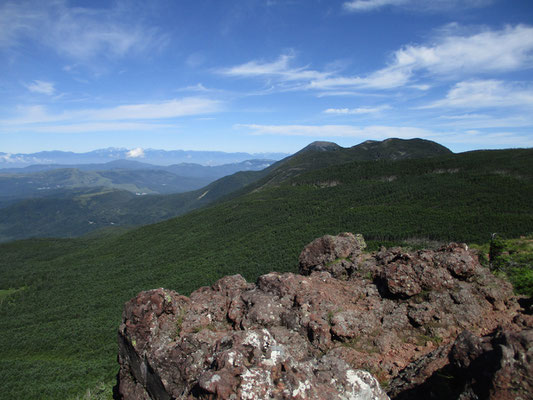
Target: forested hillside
x,y
95,203
62,299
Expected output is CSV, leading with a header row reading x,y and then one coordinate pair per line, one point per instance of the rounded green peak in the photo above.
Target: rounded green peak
x,y
322,146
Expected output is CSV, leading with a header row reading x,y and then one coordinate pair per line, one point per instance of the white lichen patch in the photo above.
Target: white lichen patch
x,y
301,389
252,339
231,358
276,356
361,386
256,384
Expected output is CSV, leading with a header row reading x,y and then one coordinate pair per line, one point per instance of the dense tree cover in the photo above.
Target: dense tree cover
x,y
76,212
58,334
60,213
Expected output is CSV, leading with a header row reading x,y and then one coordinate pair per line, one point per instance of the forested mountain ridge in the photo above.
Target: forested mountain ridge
x,y
73,213
319,155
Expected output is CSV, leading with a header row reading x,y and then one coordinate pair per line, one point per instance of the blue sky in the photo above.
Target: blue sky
x,y
264,75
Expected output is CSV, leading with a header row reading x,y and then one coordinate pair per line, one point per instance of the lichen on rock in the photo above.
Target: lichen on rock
x,y
348,325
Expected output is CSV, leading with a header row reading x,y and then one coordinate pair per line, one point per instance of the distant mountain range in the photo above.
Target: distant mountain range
x,y
151,156
84,201
136,177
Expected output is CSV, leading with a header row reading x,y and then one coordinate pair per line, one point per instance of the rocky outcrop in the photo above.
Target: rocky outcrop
x,y
350,326
335,254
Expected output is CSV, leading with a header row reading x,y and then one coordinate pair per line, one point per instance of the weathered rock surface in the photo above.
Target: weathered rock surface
x,y
396,314
335,254
495,366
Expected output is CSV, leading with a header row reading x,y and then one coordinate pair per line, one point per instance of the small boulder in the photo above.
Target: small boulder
x,y
335,254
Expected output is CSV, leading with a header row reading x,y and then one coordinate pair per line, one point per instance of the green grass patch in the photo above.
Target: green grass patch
x,y
514,259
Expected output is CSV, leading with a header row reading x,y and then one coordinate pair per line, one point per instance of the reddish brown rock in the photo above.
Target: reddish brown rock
x,y
334,254
498,366
292,336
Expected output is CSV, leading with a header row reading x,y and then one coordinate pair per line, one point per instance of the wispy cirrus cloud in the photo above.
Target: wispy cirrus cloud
x,y
387,78
357,111
76,32
485,121
370,5
366,132
41,87
418,5
304,78
452,55
490,93
168,109
447,136
88,127
279,68
130,116
504,50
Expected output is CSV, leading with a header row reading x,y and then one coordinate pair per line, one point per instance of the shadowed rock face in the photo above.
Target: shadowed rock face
x,y
495,366
315,335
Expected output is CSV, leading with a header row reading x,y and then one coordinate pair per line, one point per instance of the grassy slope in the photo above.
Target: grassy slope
x,y
58,336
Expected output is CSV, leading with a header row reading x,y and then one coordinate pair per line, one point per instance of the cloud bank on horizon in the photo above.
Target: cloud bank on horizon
x,y
264,75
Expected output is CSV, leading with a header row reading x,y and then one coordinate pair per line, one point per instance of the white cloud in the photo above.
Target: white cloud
x,y
168,109
451,56
41,87
135,153
142,116
313,79
356,111
369,5
416,5
84,127
10,158
492,140
279,68
379,132
15,24
31,115
509,49
383,79
477,94
79,33
366,132
483,121
199,88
